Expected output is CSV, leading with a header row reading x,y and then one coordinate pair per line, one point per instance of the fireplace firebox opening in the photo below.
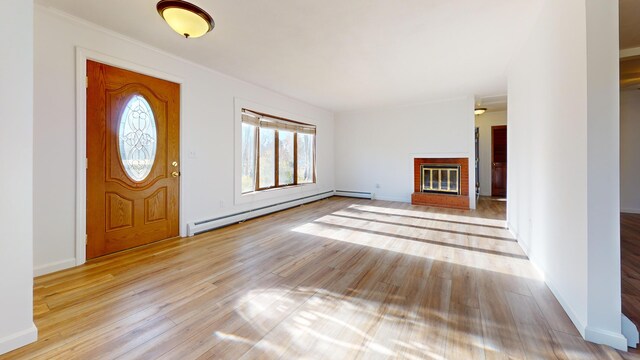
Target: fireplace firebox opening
x,y
440,178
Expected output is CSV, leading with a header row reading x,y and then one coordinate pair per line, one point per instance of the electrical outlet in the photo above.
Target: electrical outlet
x,y
192,154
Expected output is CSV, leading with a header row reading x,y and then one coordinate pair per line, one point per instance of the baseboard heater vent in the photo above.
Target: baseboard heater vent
x,y
355,194
203,226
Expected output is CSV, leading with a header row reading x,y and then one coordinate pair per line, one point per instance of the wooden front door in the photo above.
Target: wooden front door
x,y
499,161
133,147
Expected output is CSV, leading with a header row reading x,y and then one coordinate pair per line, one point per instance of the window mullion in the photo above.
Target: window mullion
x,y
257,182
295,158
277,159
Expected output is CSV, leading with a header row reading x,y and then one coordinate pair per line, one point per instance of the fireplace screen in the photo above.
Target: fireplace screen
x,y
440,178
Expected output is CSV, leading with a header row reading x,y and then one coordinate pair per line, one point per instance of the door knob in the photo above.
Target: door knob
x,y
175,174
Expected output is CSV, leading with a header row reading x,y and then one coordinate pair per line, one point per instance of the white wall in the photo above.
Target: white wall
x,y
563,160
16,158
207,132
484,123
603,193
377,146
629,151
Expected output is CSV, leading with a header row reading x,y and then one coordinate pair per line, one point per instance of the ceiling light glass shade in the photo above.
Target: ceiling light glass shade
x,y
185,18
480,111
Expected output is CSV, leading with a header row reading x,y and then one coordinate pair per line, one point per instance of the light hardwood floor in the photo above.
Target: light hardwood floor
x,y
336,279
630,249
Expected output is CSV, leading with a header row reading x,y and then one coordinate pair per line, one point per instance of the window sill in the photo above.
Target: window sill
x,y
274,193
276,189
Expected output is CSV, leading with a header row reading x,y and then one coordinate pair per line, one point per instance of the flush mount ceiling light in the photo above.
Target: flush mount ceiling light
x,y
185,18
480,111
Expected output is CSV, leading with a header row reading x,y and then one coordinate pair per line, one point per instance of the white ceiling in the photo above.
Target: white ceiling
x,y
629,24
341,54
492,103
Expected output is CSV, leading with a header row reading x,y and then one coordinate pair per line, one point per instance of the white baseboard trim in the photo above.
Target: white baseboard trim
x,y
630,331
582,328
606,337
19,339
630,211
525,247
598,336
565,306
567,309
54,266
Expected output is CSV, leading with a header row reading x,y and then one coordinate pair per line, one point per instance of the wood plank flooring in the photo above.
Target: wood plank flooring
x,y
630,258
336,279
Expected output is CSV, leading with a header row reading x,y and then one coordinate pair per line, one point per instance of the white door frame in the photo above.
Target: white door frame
x,y
82,55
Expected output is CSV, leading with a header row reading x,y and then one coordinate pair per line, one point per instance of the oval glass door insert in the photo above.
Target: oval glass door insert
x,y
137,138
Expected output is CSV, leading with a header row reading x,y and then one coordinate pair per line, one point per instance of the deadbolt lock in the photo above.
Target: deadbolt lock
x,y
175,163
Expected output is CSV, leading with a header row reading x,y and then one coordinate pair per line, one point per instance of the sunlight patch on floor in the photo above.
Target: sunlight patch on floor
x,y
427,214
354,326
457,249
426,224
344,324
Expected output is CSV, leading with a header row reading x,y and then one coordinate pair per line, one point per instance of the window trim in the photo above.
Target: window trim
x,y
276,144
313,181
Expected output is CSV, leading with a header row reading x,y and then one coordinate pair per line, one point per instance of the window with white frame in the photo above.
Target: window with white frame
x,y
276,152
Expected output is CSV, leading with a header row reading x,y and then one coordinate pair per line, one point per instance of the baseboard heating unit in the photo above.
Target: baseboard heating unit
x,y
200,227
354,194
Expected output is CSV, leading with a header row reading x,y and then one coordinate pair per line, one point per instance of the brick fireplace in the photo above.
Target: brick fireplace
x,y
434,183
